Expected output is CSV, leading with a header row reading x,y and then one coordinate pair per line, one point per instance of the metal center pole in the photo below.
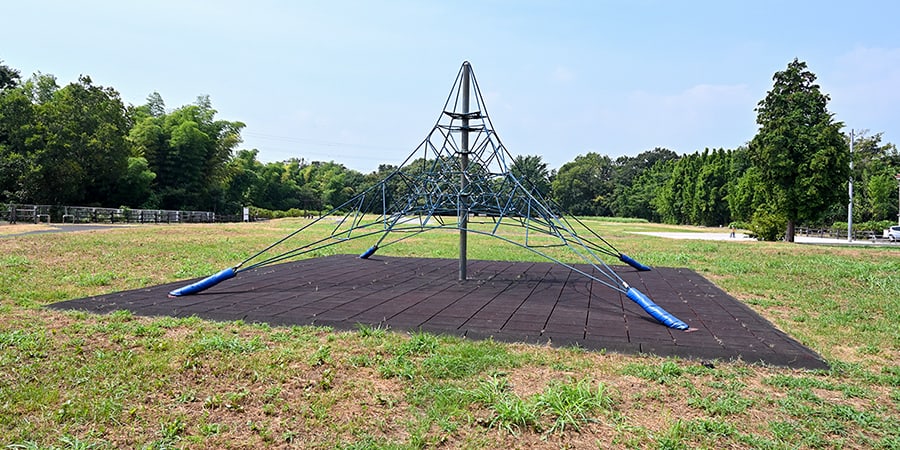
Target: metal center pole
x,y
463,182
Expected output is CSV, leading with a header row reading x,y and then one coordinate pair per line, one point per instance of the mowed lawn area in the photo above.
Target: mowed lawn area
x,y
74,380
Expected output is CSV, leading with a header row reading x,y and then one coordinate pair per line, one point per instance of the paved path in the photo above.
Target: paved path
x,y
741,237
64,228
508,301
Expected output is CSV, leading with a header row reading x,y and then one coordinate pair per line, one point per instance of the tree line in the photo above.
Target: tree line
x,y
718,187
80,144
794,171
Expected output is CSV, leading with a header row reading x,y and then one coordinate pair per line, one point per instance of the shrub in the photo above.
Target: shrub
x,y
767,226
262,213
874,225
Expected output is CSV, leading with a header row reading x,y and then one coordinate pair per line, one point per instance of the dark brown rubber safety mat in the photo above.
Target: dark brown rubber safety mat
x,y
539,303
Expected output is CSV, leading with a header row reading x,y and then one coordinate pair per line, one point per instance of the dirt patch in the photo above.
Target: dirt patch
x,y
528,381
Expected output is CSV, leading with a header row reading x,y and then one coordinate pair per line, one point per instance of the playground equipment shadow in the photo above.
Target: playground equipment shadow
x,y
538,303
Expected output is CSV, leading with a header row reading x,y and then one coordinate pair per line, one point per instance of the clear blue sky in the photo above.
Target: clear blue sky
x,y
362,82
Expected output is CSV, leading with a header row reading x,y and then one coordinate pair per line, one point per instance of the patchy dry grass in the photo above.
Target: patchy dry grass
x,y
76,380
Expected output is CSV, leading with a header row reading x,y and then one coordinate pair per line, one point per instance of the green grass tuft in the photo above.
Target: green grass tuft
x,y
667,372
573,403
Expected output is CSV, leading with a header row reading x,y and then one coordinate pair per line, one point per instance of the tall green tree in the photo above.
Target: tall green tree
x,y
881,201
9,77
17,126
746,195
709,207
23,134
799,149
80,152
874,187
333,181
277,189
627,168
585,186
189,150
633,192
640,198
674,201
246,179
390,190
41,87
531,170
135,184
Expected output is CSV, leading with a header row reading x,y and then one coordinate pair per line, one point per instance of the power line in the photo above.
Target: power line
x,y
301,140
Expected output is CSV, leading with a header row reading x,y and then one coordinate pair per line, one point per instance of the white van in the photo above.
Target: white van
x,y
893,233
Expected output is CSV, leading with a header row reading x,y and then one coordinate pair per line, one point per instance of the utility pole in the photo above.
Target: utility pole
x,y
850,205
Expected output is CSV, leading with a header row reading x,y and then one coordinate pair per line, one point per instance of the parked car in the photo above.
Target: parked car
x,y
894,233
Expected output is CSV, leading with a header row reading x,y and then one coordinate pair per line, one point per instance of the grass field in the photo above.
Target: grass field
x,y
73,380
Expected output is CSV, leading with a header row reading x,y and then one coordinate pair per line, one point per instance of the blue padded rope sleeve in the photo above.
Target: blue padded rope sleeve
x,y
655,310
366,254
205,283
631,262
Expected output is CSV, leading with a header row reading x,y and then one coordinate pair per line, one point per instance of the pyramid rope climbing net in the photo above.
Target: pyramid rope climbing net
x,y
459,178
